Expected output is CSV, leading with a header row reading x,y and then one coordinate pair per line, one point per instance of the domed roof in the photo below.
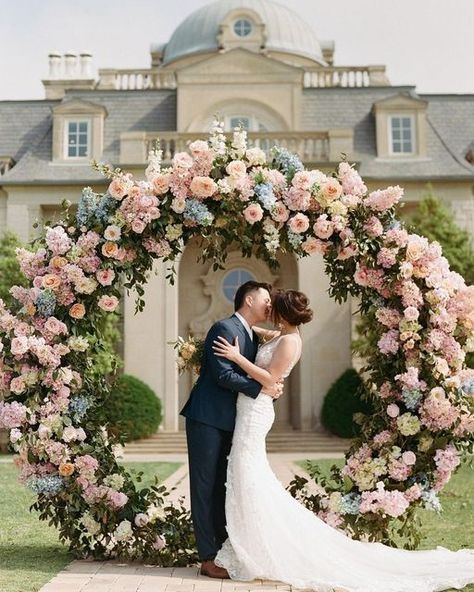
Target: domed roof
x,y
285,30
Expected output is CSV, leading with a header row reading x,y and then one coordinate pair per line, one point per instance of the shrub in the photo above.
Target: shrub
x,y
133,410
342,400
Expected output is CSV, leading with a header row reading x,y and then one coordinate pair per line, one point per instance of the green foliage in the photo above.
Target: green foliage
x,y
133,409
435,221
10,274
342,401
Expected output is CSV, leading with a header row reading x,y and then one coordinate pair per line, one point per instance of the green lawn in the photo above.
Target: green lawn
x,y
454,527
30,552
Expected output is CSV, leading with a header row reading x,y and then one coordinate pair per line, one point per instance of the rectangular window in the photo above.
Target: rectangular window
x,y
78,139
402,136
237,121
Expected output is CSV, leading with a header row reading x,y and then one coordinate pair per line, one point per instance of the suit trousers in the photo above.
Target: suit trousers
x,y
208,450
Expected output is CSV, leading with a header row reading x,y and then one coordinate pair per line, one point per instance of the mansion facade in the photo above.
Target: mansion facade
x,y
257,63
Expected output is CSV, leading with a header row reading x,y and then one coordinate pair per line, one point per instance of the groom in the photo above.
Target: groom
x,y
210,418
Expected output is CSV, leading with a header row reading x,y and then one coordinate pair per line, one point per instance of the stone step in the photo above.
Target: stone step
x,y
175,442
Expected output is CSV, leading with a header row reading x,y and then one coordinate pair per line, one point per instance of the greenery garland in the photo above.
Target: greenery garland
x,y
226,193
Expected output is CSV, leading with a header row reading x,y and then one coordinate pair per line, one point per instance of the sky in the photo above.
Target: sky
x,y
426,43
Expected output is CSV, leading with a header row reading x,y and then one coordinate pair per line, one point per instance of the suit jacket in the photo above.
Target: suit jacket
x,y
214,396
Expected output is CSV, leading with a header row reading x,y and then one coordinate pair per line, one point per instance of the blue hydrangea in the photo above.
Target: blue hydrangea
x,y
197,212
47,485
265,195
468,387
430,497
421,479
46,303
411,398
294,239
105,207
78,407
288,163
350,503
395,225
86,207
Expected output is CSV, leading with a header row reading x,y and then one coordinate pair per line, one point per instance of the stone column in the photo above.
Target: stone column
x,y
326,341
147,354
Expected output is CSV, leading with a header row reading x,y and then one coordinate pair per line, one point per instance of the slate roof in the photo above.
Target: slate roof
x,y
127,111
26,131
449,131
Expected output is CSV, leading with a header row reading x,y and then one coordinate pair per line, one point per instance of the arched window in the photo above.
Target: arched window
x,y
233,279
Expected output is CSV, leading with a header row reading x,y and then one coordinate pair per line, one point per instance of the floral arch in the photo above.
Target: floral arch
x,y
223,192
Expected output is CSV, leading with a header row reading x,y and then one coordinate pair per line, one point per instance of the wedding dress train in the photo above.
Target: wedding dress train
x,y
274,537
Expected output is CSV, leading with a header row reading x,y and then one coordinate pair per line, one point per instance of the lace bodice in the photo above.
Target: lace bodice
x,y
266,351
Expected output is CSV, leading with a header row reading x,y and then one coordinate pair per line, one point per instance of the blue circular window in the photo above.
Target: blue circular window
x,y
233,280
242,27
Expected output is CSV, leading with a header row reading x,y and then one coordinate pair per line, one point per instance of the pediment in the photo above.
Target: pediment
x,y
79,106
239,63
400,101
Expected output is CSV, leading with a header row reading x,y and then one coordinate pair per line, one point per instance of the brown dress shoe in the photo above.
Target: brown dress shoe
x,y
211,570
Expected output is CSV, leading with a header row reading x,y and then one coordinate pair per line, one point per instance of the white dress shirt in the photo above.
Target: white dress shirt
x,y
245,324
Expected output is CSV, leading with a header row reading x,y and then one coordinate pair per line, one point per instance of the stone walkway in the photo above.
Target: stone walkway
x,y
113,576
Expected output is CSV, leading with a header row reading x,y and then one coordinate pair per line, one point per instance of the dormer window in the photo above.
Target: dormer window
x,y
78,131
242,27
402,136
78,138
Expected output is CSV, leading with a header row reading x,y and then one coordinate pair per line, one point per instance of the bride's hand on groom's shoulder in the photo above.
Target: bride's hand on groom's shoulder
x,y
224,349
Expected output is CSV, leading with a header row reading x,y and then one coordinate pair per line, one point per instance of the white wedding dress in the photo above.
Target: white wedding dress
x,y
274,537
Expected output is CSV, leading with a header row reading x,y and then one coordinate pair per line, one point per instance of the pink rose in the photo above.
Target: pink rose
x,y
108,303
141,520
303,180
236,168
409,458
203,187
19,345
160,543
182,160
138,226
323,228
253,213
112,232
105,277
314,245
393,410
411,313
17,385
299,223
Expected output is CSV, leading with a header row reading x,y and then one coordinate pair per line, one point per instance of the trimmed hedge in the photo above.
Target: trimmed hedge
x,y
341,402
133,410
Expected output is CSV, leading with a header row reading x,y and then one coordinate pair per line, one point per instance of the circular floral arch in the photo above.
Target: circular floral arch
x,y
225,193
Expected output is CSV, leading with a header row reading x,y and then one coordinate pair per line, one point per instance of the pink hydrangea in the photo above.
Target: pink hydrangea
x,y
384,199
12,415
350,180
389,342
297,199
373,227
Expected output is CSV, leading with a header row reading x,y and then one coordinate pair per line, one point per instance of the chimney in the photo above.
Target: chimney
x,y
85,63
54,65
70,65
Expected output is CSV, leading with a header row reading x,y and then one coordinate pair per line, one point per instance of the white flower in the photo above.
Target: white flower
x,y
123,531
154,512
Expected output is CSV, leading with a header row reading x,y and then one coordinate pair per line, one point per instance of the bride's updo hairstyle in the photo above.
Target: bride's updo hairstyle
x,y
291,306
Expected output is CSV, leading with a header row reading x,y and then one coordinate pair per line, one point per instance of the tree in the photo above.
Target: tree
x,y
10,274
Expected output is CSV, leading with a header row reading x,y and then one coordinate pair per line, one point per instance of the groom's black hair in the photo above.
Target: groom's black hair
x,y
246,288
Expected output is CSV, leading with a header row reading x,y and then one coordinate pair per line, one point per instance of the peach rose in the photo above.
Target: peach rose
x,y
119,187
108,303
58,262
66,469
105,277
236,168
178,205
112,233
203,187
19,345
299,223
110,249
253,213
323,228
51,281
331,190
77,311
161,184
182,160
314,245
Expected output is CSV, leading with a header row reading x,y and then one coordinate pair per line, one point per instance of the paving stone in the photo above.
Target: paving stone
x,y
189,587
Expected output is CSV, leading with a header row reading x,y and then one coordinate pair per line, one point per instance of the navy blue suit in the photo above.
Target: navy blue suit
x,y
210,419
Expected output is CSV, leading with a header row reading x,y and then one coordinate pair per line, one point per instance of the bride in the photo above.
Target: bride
x,y
271,535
